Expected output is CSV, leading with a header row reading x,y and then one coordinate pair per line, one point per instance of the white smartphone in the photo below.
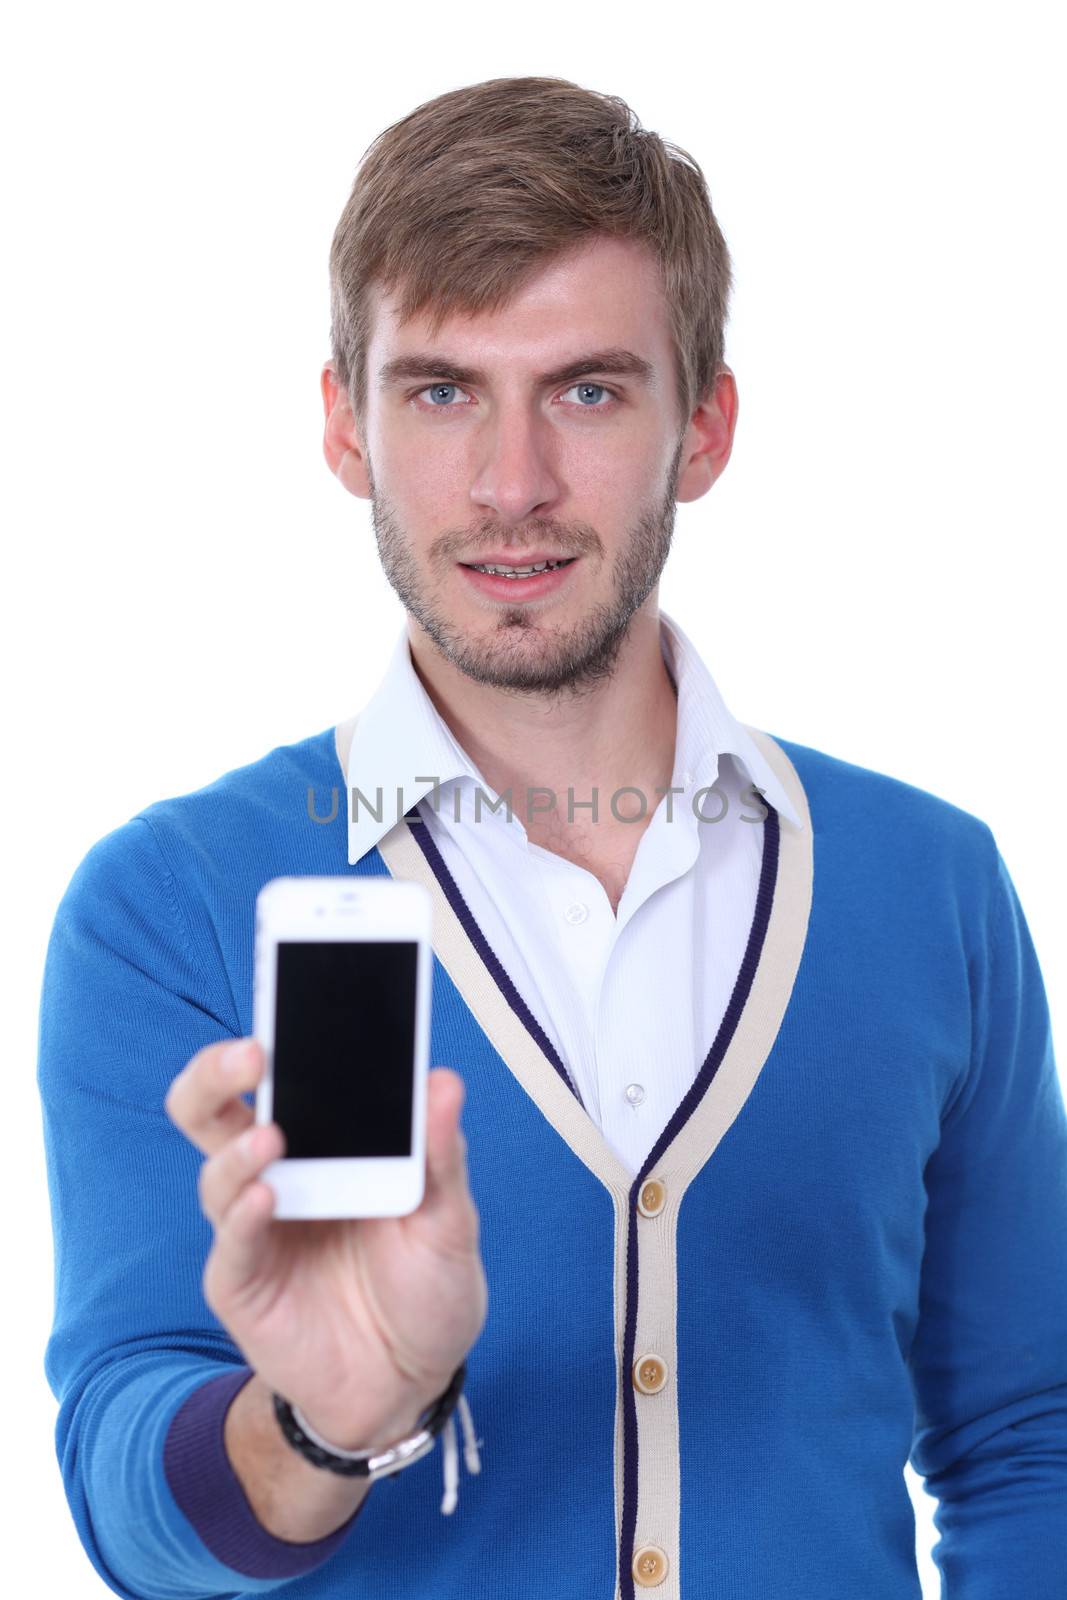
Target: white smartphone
x,y
341,1008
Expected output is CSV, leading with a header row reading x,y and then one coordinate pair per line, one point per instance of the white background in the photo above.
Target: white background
x,y
186,586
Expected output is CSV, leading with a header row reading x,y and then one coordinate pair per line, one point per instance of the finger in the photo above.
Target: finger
x,y
446,1146
203,1100
227,1173
226,1124
242,1244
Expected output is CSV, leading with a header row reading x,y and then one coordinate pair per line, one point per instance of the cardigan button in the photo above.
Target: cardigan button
x,y
652,1197
649,1566
649,1374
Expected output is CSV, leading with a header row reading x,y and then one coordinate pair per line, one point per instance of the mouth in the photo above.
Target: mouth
x,y
501,580
521,566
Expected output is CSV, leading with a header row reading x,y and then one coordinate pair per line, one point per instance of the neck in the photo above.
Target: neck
x,y
620,731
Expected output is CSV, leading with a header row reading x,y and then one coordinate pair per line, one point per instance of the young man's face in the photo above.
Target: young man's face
x,y
480,447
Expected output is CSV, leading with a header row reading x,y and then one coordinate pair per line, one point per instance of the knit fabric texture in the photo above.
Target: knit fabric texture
x,y
847,1250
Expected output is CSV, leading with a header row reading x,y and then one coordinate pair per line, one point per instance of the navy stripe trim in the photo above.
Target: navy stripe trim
x,y
727,1027
421,832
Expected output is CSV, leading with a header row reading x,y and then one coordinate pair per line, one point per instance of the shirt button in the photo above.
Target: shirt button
x,y
577,912
649,1374
649,1566
635,1093
652,1198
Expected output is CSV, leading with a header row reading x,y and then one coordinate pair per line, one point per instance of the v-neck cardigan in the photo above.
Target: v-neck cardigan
x,y
847,1250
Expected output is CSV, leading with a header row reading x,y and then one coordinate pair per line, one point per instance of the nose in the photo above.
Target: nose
x,y
515,476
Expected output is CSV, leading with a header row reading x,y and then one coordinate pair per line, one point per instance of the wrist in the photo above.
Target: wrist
x,y
370,1462
377,1427
288,1497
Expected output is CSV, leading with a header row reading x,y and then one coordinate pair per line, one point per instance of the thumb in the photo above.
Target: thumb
x,y
446,1146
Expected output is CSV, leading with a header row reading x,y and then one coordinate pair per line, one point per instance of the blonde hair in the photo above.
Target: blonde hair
x,y
459,204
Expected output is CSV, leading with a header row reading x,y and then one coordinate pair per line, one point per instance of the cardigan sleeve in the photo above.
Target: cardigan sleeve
x,y
989,1360
142,1369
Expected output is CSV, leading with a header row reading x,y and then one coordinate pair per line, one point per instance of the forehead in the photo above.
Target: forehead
x,y
605,292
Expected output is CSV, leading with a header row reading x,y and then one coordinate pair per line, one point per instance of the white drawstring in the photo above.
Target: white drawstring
x,y
470,1455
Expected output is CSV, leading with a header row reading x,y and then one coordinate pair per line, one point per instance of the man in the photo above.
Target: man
x,y
767,1183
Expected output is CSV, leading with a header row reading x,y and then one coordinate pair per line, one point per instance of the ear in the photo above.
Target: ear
x,y
341,444
709,438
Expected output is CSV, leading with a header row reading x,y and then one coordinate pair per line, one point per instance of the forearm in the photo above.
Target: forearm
x,y
292,1498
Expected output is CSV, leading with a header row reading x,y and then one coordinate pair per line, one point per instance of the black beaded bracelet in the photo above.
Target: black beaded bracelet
x,y
373,1463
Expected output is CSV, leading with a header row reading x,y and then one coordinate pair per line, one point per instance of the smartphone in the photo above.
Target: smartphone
x,y
341,1008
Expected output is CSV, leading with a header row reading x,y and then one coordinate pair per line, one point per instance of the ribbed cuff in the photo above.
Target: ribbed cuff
x,y
209,1492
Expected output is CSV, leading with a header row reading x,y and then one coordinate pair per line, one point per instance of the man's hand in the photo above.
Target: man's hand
x,y
359,1322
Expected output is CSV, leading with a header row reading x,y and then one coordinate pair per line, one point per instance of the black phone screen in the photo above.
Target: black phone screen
x,y
344,1047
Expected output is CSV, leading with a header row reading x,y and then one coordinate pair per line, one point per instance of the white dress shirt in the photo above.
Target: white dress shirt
x,y
630,1000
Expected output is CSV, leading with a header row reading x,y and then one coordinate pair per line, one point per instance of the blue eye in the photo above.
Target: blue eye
x,y
594,396
599,387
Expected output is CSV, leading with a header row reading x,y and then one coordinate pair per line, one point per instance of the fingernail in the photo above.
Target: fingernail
x,y
236,1055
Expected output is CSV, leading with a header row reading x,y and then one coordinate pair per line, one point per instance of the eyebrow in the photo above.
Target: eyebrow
x,y
613,362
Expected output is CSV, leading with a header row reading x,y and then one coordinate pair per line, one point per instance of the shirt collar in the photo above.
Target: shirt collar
x,y
706,727
402,745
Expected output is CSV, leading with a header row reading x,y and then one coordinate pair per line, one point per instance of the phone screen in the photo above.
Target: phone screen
x,y
344,1047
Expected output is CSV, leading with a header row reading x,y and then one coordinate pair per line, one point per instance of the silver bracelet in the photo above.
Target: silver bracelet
x,y
380,1463
373,1464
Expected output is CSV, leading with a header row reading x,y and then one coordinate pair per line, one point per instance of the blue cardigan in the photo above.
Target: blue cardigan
x,y
847,1250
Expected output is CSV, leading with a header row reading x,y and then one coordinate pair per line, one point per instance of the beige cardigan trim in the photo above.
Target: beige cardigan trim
x,y
659,1467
